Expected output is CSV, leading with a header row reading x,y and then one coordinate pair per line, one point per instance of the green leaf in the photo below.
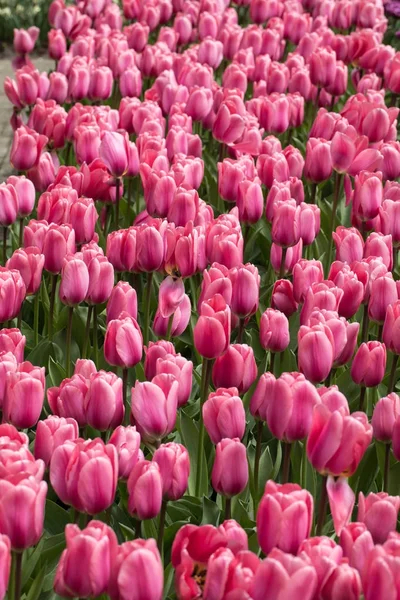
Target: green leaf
x,y
149,529
211,512
56,518
190,436
30,560
37,585
56,371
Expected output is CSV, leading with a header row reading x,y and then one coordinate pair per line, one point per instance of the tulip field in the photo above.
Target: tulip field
x,y
200,303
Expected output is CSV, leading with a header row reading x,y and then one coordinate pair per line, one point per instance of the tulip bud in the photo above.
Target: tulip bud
x,y
52,433
173,461
123,342
274,331
235,368
225,480
349,244
123,298
213,328
385,413
379,513
369,364
127,442
145,489
154,405
224,415
245,290
74,281
24,395
315,352
283,297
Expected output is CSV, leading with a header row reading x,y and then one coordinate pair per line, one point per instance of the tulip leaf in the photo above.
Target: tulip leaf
x,y
211,512
56,518
190,436
36,586
30,560
168,580
149,529
56,372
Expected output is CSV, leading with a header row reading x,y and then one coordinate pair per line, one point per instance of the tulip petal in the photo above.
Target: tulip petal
x,y
341,501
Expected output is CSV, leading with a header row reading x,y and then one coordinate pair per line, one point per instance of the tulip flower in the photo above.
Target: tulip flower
x,y
174,464
315,351
235,368
52,433
123,298
224,415
127,442
369,364
181,369
24,395
226,481
301,580
379,513
74,281
283,297
274,330
284,517
213,328
145,489
245,290
123,343
356,541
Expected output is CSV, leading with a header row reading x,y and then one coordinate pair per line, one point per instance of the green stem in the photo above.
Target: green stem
x,y
138,528
259,434
205,380
54,277
392,376
117,200
286,462
362,397
228,508
161,527
282,266
107,221
322,507
69,339
240,331
313,193
365,325
336,196
21,231
380,332
17,557
19,319
386,468
125,394
87,331
272,362
5,229
146,316
36,318
95,347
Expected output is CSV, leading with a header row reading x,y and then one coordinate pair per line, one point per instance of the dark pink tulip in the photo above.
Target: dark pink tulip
x,y
309,223
283,297
86,143
121,249
229,124
380,245
170,296
149,248
305,273
284,517
180,319
173,461
9,204
225,570
388,220
385,413
57,44
315,352
226,481
44,173
289,576
12,340
127,442
95,465
101,278
349,244
51,433
123,342
279,192
68,400
274,330
356,541
324,295
181,369
235,368
217,280
145,489
343,150
59,241
337,440
224,415
22,504
24,395
153,352
379,513
139,560
93,549
369,364
224,240
115,152
154,406
8,364
318,164
368,195
83,217
25,194
26,148
286,224
245,290
123,298
250,201
259,402
383,294
344,334
353,288
12,293
213,328
74,281
343,582
29,263
103,402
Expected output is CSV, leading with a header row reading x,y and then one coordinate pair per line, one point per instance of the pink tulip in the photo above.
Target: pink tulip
x,y
127,442
315,352
305,273
213,328
341,500
173,461
57,44
180,368
226,481
11,340
180,320
274,330
9,204
123,298
95,465
349,244
379,513
343,582
52,433
385,413
74,281
283,297
170,296
155,350
68,400
356,542
145,489
286,224
245,290
24,395
318,164
297,580
25,194
235,368
154,406
369,364
29,263
59,241
123,343
101,278
92,549
5,561
103,402
225,572
224,415
284,517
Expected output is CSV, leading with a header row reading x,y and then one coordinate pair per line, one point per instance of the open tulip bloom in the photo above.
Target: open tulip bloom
x,y
200,303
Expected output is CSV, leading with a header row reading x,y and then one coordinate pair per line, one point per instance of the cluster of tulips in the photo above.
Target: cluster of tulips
x,y
200,304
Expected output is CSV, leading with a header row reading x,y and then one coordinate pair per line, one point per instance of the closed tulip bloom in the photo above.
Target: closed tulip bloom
x,y
385,413
283,297
390,327
315,352
213,328
224,415
379,245
228,126
274,330
95,467
368,195
103,403
245,290
90,550
235,368
26,148
22,503
356,541
123,298
225,480
337,440
343,582
25,194
153,352
174,463
250,201
379,513
59,241
170,295
298,580
127,442
149,249
51,433
154,406
145,490
217,280
8,364
369,364
29,262
305,273
123,342
343,150
12,293
286,224
324,296
284,517
25,39
259,402
318,163
24,396
101,278
353,288
83,217
225,572
310,222
57,44
12,340
68,400
388,218
8,204
181,369
349,244
114,151
74,281
140,561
